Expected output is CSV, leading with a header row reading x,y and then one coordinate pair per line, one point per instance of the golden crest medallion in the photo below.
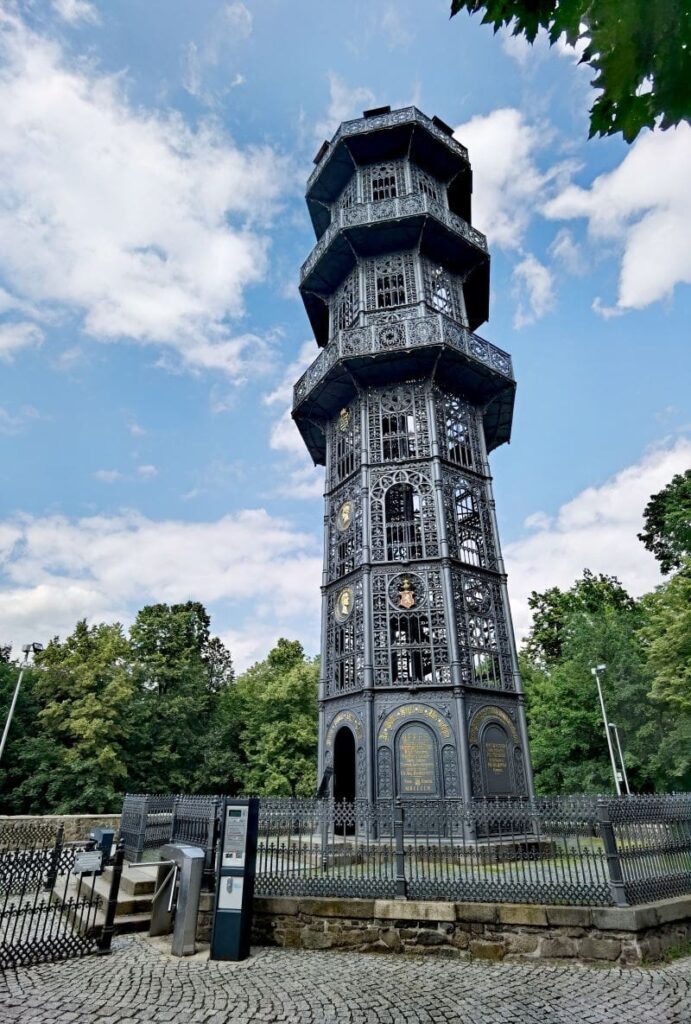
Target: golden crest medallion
x,y
343,420
406,595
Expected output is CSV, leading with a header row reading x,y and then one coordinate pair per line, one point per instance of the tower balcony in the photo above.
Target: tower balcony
x,y
390,350
385,135
404,212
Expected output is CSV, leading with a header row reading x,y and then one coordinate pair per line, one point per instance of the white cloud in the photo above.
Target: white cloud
x,y
15,336
108,476
145,229
534,288
14,423
596,530
229,28
566,250
396,32
644,206
303,480
147,472
344,103
509,187
259,575
74,11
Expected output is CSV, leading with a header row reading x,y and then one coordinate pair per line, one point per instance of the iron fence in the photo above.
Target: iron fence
x,y
583,850
149,820
50,908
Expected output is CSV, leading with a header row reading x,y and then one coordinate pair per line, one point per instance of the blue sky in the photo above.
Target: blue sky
x,y
152,166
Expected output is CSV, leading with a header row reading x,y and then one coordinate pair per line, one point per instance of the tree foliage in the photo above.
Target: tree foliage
x,y
597,623
640,51
667,523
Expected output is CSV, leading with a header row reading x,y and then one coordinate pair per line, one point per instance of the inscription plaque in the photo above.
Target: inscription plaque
x,y
416,762
495,749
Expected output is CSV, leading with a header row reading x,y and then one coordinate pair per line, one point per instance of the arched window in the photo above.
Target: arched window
x,y
384,181
344,304
411,650
403,524
398,435
468,527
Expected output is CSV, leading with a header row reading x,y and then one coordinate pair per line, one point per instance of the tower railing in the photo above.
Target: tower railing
x,y
412,330
390,119
412,204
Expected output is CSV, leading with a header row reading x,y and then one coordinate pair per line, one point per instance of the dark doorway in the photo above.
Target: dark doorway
x,y
344,765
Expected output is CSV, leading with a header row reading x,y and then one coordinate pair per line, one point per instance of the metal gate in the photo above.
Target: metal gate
x,y
53,904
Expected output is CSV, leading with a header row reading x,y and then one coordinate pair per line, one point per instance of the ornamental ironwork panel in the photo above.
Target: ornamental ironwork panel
x,y
344,445
402,515
482,631
458,429
468,520
345,639
397,422
409,629
345,531
390,281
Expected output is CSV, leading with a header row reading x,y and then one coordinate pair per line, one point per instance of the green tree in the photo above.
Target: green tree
x,y
667,523
666,635
82,688
640,51
278,700
179,670
18,760
554,612
598,623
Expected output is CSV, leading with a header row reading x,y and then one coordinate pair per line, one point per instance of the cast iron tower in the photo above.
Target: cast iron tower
x,y
420,694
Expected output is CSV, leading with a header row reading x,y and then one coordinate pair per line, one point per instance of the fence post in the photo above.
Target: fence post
x,y
616,877
51,878
401,888
108,929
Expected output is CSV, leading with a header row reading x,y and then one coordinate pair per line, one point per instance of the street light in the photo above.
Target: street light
x,y
27,649
596,671
621,757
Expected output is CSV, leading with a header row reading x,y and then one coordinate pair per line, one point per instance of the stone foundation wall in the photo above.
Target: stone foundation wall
x,y
490,931
77,826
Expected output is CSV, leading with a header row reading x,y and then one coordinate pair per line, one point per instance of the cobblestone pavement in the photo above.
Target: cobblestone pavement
x,y
140,984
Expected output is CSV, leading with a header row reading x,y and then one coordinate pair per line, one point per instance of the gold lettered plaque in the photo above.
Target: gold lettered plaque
x,y
344,604
416,757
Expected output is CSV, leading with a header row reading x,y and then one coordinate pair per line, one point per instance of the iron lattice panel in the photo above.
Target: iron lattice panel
x,y
483,632
468,520
398,427
343,445
345,531
387,615
345,640
458,430
384,535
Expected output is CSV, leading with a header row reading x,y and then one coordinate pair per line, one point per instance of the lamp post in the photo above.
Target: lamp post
x,y
621,757
27,649
597,671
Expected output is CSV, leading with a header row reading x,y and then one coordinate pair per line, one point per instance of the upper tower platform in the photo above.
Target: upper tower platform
x,y
398,279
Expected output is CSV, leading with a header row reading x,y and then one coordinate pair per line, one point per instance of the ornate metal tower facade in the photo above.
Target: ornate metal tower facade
x,y
420,694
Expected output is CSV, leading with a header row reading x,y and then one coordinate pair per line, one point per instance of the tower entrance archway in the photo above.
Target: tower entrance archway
x,y
344,765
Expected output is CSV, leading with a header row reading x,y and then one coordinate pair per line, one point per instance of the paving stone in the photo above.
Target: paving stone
x,y
141,983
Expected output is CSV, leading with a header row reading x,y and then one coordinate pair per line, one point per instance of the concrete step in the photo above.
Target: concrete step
x,y
135,880
132,912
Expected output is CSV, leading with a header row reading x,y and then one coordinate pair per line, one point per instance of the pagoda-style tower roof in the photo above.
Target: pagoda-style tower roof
x,y
351,228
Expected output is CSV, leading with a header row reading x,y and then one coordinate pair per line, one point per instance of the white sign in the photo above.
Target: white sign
x,y
88,862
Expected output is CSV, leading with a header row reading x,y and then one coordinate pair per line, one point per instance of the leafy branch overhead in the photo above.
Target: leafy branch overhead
x,y
640,51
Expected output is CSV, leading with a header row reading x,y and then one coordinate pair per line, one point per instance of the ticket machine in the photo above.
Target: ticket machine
x,y
237,852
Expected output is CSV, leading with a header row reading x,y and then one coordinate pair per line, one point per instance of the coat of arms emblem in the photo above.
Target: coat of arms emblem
x,y
406,595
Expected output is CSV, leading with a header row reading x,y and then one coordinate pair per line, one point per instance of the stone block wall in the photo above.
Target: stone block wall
x,y
77,826
489,931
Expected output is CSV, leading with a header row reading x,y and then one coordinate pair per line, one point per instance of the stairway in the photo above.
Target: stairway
x,y
133,911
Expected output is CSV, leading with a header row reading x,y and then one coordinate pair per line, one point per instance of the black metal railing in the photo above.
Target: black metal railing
x,y
50,906
583,850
